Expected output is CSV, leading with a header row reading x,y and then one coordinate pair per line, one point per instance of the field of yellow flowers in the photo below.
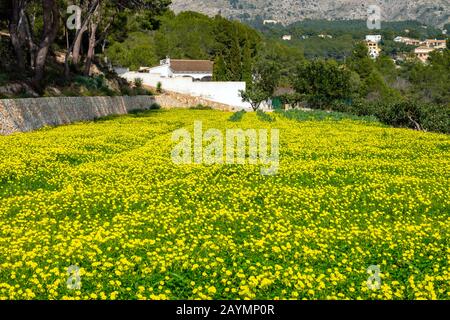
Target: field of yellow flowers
x,y
106,198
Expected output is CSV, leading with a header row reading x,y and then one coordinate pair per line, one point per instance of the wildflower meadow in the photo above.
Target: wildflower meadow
x,y
356,210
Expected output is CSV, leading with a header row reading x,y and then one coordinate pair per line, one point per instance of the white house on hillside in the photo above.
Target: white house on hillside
x,y
270,22
374,38
174,68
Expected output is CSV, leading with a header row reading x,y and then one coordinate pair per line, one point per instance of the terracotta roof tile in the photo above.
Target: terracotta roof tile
x,y
203,66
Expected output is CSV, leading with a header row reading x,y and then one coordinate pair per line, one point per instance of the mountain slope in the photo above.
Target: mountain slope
x,y
433,12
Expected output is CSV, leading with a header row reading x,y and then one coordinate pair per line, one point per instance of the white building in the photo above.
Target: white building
x,y
374,38
423,53
435,44
374,49
227,92
287,37
270,22
408,41
175,68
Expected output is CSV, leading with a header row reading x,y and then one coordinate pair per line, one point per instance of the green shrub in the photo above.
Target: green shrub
x,y
405,114
126,91
436,118
237,116
200,107
138,83
264,116
155,106
319,115
415,115
91,83
159,87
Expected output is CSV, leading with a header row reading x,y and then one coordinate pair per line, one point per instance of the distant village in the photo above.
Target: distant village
x,y
373,42
422,50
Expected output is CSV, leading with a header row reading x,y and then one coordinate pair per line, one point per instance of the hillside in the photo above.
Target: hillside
x,y
433,12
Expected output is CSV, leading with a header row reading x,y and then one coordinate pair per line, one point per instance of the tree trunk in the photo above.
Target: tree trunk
x,y
51,24
77,46
92,9
29,27
91,50
16,33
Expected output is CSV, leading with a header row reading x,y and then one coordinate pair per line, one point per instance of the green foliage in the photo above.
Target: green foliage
x,y
254,95
320,115
201,107
386,66
338,48
392,48
266,77
360,61
220,69
263,116
136,51
188,35
155,106
372,84
159,87
407,114
235,58
322,82
286,58
138,83
292,99
237,116
247,64
415,115
91,83
431,82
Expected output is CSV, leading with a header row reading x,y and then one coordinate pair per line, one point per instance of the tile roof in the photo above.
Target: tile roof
x,y
203,66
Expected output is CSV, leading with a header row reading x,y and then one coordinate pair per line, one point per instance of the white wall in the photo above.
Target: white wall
x,y
373,38
164,71
223,92
197,76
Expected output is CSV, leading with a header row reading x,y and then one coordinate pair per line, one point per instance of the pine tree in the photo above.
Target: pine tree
x,y
234,60
220,69
247,64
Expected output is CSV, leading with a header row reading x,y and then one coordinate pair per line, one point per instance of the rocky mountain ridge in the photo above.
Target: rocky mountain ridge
x,y
432,12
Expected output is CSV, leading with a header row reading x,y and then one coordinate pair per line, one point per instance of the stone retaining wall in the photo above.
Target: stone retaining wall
x,y
177,100
22,115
